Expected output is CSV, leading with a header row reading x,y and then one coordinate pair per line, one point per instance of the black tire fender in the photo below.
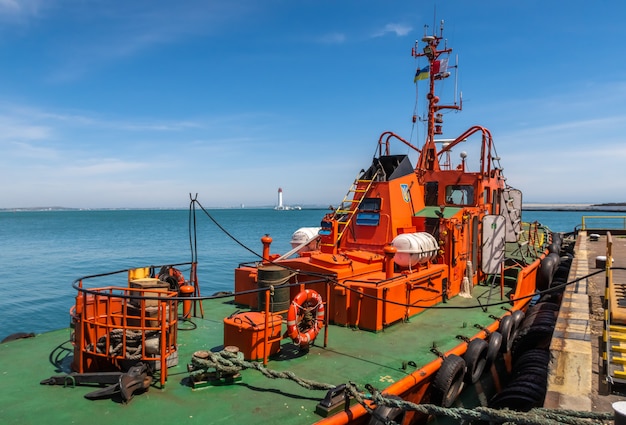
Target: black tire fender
x,y
475,359
495,342
518,317
448,382
547,267
508,333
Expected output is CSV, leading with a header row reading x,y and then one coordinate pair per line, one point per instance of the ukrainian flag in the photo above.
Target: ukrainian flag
x,y
421,74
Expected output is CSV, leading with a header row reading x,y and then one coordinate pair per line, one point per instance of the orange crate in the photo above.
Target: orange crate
x,y
148,287
247,331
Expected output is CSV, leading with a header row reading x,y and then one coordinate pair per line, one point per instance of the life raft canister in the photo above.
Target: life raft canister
x,y
306,301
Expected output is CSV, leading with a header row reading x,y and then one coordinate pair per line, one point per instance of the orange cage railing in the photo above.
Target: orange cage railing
x,y
117,326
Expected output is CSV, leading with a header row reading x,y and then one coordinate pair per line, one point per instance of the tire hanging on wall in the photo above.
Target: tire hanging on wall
x,y
448,381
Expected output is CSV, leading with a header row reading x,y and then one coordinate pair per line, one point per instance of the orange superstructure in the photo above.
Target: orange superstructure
x,y
406,238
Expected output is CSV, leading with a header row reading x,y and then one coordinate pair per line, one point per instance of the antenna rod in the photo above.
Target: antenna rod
x,y
456,78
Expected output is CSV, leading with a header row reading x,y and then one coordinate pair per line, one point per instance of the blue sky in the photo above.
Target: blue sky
x,y
139,103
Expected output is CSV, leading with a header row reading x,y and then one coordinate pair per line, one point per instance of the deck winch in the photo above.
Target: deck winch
x,y
415,248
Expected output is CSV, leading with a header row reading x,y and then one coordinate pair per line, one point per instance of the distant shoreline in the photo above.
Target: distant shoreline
x,y
533,206
45,209
614,207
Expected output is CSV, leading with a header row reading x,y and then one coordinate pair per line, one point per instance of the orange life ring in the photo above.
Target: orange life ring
x,y
306,300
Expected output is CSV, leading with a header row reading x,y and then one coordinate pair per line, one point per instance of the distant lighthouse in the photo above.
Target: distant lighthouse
x,y
280,205
280,199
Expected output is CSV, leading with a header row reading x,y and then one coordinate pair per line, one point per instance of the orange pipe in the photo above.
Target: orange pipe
x,y
196,286
265,335
327,321
390,252
164,355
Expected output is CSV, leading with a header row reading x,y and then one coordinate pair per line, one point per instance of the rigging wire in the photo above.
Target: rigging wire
x,y
226,232
193,234
415,119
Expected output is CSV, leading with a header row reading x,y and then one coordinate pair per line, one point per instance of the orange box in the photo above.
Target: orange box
x,y
246,280
247,331
148,287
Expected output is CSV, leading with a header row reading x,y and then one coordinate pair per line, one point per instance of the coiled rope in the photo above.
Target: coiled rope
x,y
230,363
116,343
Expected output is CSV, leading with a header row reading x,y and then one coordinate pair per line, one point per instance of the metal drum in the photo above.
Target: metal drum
x,y
278,277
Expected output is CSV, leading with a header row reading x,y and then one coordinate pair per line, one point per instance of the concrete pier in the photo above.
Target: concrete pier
x,y
577,380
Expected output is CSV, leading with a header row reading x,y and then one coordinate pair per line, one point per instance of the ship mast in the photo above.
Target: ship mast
x,y
437,70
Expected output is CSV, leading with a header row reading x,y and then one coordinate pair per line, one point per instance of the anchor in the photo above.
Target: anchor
x,y
136,380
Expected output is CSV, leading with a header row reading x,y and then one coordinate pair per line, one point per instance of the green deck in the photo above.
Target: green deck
x,y
352,355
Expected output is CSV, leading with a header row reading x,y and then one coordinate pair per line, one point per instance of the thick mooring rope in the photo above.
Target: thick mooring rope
x,y
230,363
539,416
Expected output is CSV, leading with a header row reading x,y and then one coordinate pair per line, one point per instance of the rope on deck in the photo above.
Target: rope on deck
x,y
230,362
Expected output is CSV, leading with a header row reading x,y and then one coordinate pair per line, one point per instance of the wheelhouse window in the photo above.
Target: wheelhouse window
x,y
369,212
460,194
370,204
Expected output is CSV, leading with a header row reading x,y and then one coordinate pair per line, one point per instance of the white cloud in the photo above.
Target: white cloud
x,y
333,38
30,152
19,7
11,131
124,29
397,29
105,166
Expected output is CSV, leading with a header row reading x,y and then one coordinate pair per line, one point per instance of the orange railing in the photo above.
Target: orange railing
x,y
115,327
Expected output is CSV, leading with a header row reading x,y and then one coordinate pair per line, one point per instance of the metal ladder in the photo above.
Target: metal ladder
x,y
527,240
349,206
615,323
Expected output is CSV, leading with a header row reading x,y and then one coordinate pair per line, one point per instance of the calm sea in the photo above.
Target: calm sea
x,y
43,252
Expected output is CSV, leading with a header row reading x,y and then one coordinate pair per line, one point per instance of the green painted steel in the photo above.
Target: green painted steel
x,y
352,355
